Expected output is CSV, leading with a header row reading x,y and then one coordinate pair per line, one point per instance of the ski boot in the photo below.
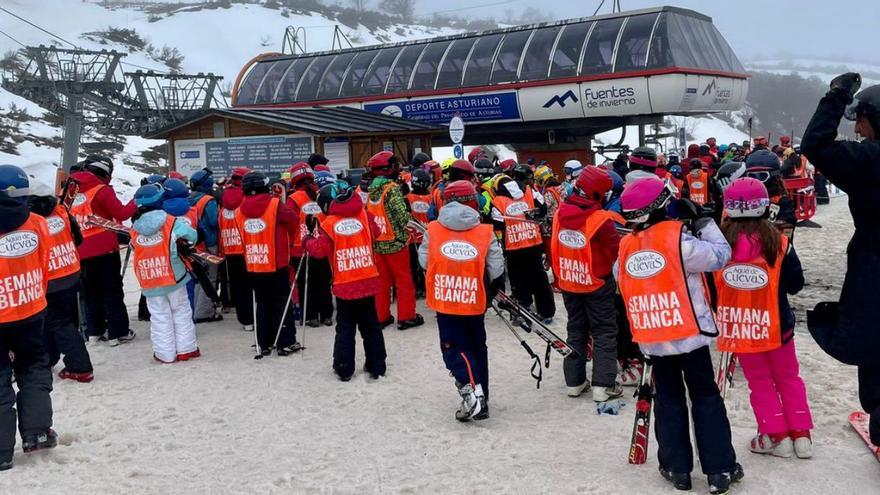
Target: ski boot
x,y
313,323
374,376
577,390
803,443
78,377
388,322
286,351
186,356
40,441
603,394
470,402
417,321
5,461
631,373
719,484
681,481
247,328
778,445
327,322
484,409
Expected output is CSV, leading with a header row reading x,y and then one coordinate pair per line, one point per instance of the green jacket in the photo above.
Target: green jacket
x,y
397,211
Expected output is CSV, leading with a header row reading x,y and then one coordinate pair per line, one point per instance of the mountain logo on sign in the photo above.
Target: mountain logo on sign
x,y
560,100
393,111
709,88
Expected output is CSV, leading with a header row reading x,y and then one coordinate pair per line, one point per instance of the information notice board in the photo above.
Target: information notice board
x,y
268,154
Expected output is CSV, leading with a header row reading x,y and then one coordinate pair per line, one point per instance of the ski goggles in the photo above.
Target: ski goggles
x,y
761,175
743,205
641,214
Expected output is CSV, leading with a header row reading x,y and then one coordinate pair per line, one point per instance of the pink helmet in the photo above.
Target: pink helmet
x,y
643,196
746,197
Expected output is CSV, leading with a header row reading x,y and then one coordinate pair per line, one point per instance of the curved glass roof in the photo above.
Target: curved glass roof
x,y
658,38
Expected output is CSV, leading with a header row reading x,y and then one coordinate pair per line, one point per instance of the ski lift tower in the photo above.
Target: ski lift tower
x,y
63,81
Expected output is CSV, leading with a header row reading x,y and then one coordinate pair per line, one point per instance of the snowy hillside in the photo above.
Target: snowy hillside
x,y
824,69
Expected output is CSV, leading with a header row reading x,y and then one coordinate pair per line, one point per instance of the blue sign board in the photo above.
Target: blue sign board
x,y
189,154
458,151
472,108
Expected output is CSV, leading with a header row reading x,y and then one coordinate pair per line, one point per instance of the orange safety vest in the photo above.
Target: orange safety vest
x,y
24,263
748,304
654,286
230,236
306,206
437,197
518,234
63,257
152,257
698,187
352,248
81,208
377,208
419,205
679,186
572,255
454,280
801,170
258,237
191,218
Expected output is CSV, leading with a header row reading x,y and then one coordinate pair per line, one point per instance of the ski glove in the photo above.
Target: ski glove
x,y
849,83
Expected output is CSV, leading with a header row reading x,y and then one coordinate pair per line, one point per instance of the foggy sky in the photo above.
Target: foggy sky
x,y
756,29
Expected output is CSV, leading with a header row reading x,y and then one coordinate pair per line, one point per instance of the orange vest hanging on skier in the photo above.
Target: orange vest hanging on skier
x,y
454,282
698,187
307,206
258,237
81,208
63,257
679,186
383,221
419,204
352,257
654,286
748,304
152,257
572,255
230,236
24,263
518,234
437,196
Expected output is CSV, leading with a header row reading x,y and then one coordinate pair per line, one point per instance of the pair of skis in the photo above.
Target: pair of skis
x,y
186,251
530,323
724,378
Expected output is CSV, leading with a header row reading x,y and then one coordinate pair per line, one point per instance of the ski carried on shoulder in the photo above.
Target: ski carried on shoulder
x,y
859,422
638,449
183,248
534,325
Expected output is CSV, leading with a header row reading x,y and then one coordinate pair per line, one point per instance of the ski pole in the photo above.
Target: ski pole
x,y
289,298
536,361
256,338
305,293
127,258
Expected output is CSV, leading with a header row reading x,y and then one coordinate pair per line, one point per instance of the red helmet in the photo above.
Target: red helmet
x,y
761,141
507,165
711,141
593,183
174,174
382,163
238,173
321,168
300,172
463,166
476,154
785,141
461,191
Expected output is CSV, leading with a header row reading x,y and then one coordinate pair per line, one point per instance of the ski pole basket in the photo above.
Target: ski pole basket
x,y
803,192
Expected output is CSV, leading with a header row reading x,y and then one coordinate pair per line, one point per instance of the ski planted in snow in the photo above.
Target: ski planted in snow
x,y
183,248
638,449
859,422
726,367
534,325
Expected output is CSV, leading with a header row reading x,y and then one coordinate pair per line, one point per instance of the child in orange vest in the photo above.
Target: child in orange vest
x,y
163,276
419,200
660,273
763,269
346,238
464,262
584,247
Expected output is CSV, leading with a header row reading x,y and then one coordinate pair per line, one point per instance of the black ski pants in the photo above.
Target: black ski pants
x,y
528,280
353,315
240,289
672,423
592,314
32,377
61,333
418,273
463,343
626,348
869,395
104,297
272,291
320,281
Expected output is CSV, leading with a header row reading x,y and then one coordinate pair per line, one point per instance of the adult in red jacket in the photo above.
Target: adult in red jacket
x,y
106,315
267,226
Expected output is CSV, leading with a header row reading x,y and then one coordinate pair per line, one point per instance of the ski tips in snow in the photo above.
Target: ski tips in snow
x,y
859,421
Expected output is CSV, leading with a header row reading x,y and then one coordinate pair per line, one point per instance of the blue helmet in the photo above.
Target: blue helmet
x,y
722,148
154,179
14,185
616,181
202,181
324,178
676,171
149,196
175,188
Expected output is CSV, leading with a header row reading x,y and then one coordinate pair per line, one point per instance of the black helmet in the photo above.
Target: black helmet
x,y
339,191
484,167
866,103
644,157
521,171
729,172
419,159
99,165
255,183
421,178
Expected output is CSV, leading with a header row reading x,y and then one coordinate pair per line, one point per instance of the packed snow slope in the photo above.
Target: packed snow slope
x,y
226,423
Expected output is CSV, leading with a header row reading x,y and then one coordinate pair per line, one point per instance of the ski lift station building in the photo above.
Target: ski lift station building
x,y
546,89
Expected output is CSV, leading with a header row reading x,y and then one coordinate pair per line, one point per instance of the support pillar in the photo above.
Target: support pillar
x,y
72,134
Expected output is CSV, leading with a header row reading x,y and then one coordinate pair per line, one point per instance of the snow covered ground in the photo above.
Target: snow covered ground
x,y
228,424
